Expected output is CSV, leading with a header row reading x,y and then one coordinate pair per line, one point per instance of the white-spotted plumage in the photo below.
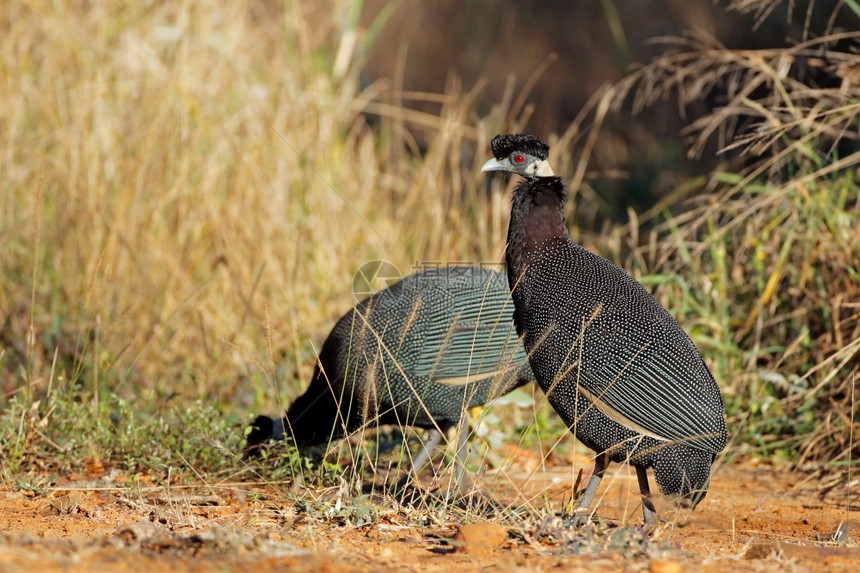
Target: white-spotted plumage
x,y
616,366
418,353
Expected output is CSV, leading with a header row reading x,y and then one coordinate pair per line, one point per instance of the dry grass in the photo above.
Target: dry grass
x,y
767,258
189,189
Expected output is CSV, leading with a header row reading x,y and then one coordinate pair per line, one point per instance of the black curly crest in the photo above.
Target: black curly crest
x,y
504,145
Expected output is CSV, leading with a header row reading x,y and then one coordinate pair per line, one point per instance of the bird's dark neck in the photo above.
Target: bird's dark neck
x,y
537,221
314,417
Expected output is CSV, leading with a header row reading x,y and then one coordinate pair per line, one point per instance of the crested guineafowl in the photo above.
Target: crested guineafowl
x,y
615,365
420,353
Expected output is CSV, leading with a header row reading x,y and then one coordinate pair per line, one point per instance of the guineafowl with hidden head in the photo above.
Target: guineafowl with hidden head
x,y
420,353
615,365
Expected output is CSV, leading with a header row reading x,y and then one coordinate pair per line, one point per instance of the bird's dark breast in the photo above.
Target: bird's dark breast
x,y
555,342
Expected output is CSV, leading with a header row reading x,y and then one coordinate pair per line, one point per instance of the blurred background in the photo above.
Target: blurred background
x,y
546,61
188,190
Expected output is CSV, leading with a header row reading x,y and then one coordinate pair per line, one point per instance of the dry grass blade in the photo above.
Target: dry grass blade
x,y
777,242
770,100
179,174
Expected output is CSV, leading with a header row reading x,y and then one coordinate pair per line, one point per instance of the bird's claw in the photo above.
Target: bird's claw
x,y
578,519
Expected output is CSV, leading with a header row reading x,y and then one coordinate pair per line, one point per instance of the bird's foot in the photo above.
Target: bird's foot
x,y
577,520
648,527
652,519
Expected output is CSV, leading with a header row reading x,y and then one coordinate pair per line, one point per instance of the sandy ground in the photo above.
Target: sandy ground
x,y
755,518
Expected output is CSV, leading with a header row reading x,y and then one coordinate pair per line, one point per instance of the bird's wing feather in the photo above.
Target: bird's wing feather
x,y
471,338
637,363
634,375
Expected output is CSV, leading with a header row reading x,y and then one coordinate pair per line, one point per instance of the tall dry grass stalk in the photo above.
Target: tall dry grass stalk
x,y
209,185
206,183
767,257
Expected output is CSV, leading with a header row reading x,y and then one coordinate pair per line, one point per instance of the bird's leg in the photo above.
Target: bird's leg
x,y
648,511
426,451
580,514
460,460
422,457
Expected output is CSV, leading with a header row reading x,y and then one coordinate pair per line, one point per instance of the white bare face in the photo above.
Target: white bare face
x,y
521,164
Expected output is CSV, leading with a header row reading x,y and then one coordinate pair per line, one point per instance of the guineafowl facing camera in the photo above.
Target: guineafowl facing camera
x,y
420,353
615,365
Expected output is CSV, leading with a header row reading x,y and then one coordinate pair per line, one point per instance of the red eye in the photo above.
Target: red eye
x,y
519,158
